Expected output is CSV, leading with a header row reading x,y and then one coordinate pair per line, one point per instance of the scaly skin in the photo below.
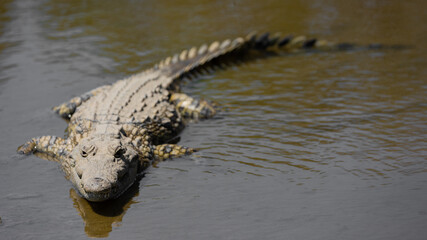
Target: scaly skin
x,y
117,131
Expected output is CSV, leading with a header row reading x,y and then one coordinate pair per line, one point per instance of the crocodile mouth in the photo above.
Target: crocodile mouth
x,y
118,188
97,197
109,193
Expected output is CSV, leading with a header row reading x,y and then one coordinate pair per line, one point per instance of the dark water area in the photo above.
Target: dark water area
x,y
325,145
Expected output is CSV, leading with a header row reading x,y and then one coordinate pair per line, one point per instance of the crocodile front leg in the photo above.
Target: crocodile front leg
x,y
47,147
67,109
165,151
192,108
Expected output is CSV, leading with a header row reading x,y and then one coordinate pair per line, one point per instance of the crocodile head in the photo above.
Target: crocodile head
x,y
102,168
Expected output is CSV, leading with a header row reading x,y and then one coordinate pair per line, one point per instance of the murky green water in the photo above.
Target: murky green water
x,y
308,146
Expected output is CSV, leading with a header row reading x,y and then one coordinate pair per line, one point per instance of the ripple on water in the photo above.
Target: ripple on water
x,y
318,119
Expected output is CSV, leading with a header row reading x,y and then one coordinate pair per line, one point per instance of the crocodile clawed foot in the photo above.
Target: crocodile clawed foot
x,y
191,108
166,151
65,110
27,148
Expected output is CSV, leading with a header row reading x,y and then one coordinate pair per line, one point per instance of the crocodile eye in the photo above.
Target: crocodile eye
x,y
119,152
83,153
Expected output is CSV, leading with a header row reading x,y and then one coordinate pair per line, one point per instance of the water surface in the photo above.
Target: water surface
x,y
307,146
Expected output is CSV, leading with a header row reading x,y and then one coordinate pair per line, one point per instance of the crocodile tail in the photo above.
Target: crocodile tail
x,y
302,43
195,57
189,61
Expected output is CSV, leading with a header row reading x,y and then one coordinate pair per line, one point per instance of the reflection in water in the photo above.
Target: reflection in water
x,y
4,18
100,217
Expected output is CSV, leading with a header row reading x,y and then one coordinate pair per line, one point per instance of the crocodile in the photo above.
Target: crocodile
x,y
117,131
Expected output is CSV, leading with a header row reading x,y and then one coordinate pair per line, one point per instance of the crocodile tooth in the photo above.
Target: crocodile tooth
x,y
214,46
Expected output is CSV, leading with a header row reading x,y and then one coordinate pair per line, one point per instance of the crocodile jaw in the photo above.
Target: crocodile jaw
x,y
114,190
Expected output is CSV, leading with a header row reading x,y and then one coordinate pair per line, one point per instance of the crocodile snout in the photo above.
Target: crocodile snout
x,y
97,185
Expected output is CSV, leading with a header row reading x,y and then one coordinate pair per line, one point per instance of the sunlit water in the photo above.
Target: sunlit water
x,y
306,146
